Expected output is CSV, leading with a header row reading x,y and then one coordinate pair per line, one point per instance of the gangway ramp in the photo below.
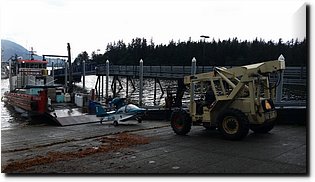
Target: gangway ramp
x,y
67,117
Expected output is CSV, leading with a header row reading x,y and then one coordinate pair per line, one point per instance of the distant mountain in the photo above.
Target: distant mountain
x,y
10,49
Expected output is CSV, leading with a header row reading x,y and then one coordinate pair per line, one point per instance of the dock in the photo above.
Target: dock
x,y
296,76
292,75
152,148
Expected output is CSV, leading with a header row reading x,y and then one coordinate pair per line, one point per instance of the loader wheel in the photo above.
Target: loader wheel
x,y
233,124
262,128
180,122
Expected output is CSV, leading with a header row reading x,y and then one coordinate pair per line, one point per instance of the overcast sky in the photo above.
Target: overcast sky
x,y
47,25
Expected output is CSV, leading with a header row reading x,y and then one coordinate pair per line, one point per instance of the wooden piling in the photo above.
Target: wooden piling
x,y
102,86
107,77
154,98
127,79
83,67
141,82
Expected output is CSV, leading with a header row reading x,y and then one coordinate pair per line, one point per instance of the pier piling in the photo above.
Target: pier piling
x,y
193,72
102,86
154,97
99,88
107,75
280,86
141,82
83,74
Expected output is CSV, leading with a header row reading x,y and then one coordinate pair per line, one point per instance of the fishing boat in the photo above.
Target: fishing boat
x,y
34,93
29,86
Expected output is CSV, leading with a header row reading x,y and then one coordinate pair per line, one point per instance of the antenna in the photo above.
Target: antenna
x,y
32,53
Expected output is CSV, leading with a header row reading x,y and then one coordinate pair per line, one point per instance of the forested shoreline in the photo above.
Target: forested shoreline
x,y
208,53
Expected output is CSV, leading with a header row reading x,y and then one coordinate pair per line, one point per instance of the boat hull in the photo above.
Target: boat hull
x,y
27,104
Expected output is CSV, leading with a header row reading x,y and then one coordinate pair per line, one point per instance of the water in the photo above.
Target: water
x,y
148,89
9,118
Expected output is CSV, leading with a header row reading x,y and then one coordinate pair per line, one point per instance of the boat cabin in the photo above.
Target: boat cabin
x,y
32,67
30,73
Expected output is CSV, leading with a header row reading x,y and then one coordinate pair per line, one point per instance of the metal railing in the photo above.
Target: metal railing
x,y
292,75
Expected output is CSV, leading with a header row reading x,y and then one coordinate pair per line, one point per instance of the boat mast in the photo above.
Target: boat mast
x,y
32,53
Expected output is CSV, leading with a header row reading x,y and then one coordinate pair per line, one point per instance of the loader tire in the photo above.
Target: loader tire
x,y
233,124
262,128
180,122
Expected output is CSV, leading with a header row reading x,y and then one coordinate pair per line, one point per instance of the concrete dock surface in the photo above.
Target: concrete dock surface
x,y
151,148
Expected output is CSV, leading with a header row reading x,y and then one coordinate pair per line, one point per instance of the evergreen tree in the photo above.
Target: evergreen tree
x,y
219,53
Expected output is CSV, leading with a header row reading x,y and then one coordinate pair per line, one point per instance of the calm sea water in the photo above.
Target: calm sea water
x,y
10,119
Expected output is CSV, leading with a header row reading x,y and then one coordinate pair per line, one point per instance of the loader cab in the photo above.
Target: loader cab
x,y
205,98
242,100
